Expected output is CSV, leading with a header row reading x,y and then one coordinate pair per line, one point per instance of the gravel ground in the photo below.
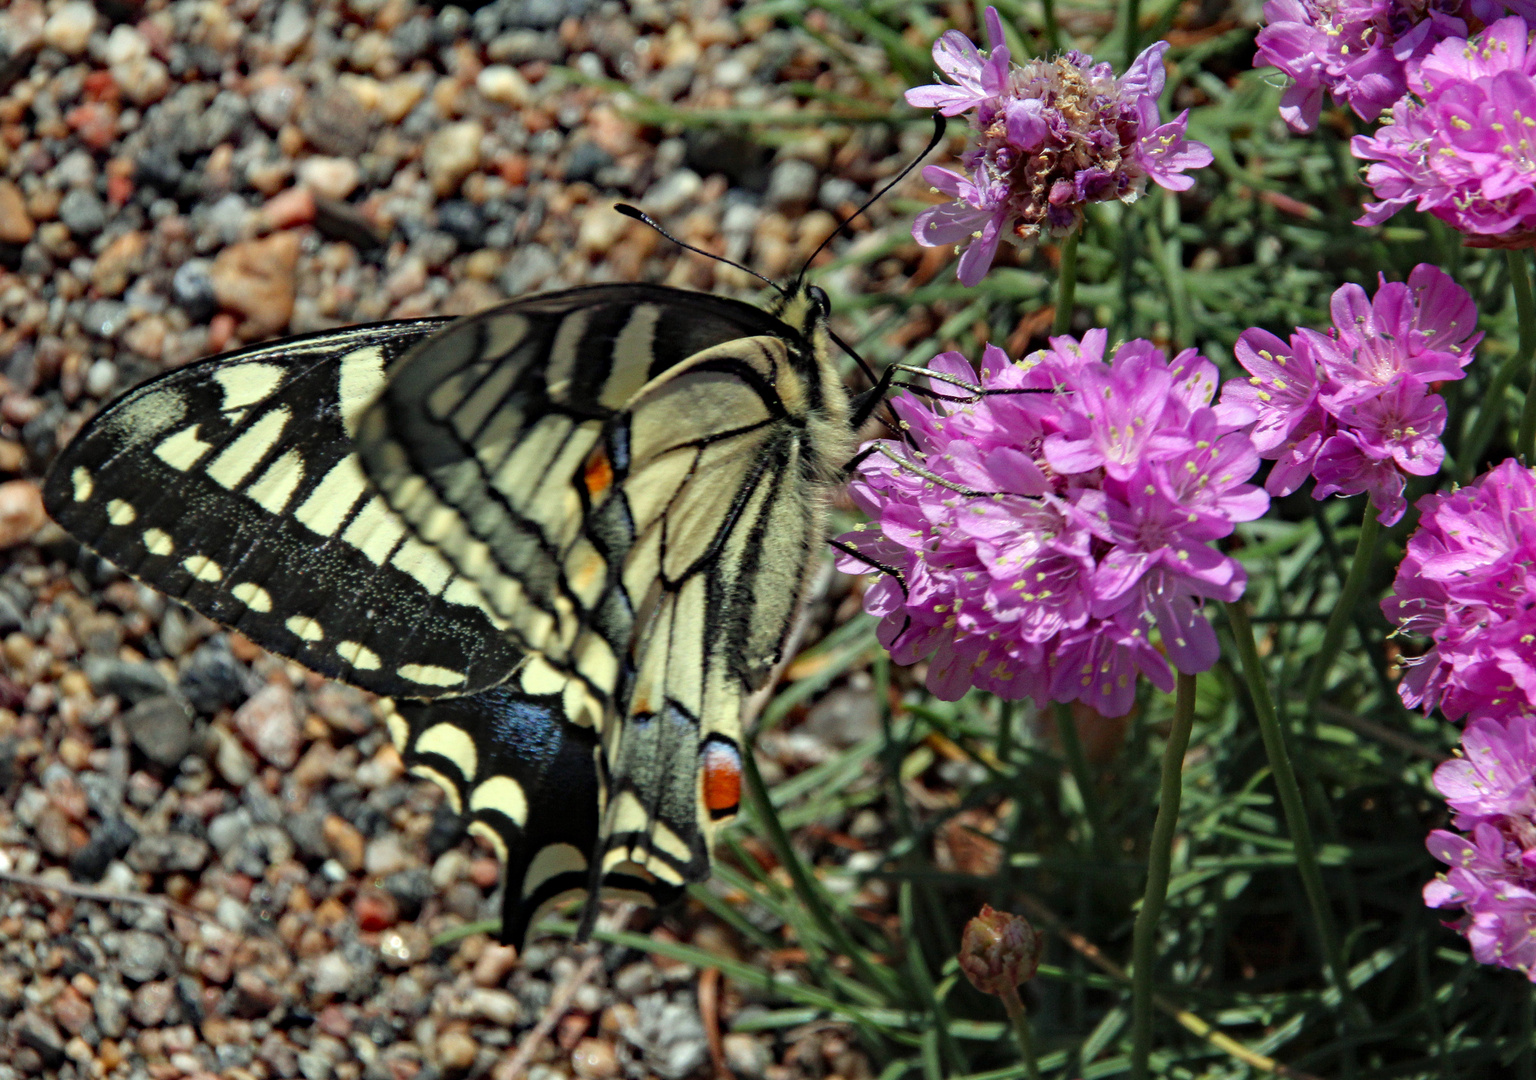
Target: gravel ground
x,y
176,179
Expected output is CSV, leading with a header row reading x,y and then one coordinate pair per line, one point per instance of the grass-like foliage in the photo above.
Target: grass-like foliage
x,y
1294,938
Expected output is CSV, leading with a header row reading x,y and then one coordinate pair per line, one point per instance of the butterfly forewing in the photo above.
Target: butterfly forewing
x,y
231,485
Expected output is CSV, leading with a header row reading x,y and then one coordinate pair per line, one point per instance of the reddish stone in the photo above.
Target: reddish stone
x,y
375,910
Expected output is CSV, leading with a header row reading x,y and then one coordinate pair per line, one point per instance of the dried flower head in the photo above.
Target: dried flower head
x,y
1353,408
1468,583
1055,135
1049,537
998,951
1359,51
1462,146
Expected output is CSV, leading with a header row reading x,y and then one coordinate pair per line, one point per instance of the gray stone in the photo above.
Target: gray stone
x,y
835,191
586,161
844,717
792,184
133,681
168,853
672,192
83,213
669,1035
212,678
105,318
192,286
527,268
110,1002
142,956
161,727
108,840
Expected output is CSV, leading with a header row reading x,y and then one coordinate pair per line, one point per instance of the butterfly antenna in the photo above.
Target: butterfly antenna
x,y
640,215
938,136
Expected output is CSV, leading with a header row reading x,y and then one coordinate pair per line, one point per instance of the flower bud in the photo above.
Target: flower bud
x,y
998,951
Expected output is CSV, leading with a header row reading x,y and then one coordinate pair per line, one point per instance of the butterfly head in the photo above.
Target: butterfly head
x,y
804,307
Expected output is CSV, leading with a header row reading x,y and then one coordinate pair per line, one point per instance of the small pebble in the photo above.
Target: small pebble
x,y
331,177
345,842
451,154
792,184
83,213
192,286
16,225
100,378
497,1006
375,910
152,1003
456,1050
504,85
333,974
69,28
672,192
270,723
494,965
21,512
142,956
595,1059
256,279
161,727
106,318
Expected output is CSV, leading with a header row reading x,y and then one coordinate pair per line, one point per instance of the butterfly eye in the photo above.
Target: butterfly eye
x,y
821,303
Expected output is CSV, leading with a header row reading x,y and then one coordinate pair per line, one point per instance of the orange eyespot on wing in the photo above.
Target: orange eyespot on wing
x,y
722,777
598,474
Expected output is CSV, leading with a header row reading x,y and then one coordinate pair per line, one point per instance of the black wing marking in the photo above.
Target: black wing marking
x,y
231,485
526,777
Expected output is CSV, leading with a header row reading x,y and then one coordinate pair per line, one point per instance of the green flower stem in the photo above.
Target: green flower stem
x,y
1015,1006
1132,17
1066,286
1052,32
1082,776
1489,414
1525,312
807,889
1344,609
1159,863
1290,800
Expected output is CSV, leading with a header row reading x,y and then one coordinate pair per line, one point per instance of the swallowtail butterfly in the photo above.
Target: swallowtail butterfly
x,y
567,536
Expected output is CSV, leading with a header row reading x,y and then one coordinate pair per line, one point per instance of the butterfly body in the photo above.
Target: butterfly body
x,y
585,517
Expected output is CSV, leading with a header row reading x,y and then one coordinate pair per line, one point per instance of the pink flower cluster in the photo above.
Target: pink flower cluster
x,y
1492,875
1353,408
1055,135
1360,51
1049,536
1468,583
1463,145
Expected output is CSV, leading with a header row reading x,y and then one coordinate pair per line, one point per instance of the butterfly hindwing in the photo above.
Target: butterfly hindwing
x,y
525,774
231,485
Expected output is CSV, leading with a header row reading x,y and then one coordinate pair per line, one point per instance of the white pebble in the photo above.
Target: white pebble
x,y
672,192
69,28
125,44
331,177
503,84
452,154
